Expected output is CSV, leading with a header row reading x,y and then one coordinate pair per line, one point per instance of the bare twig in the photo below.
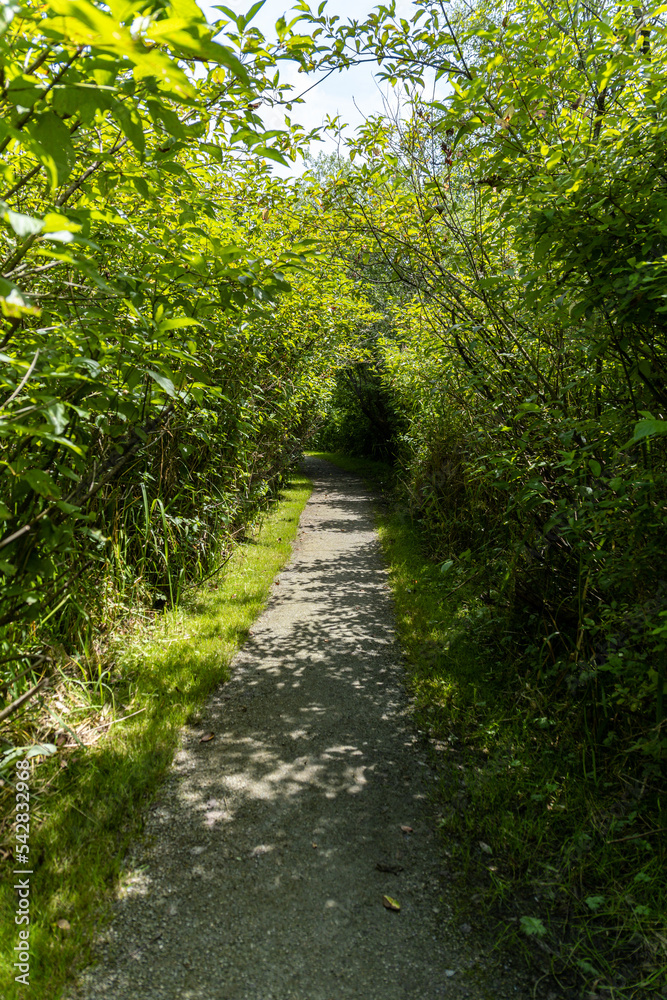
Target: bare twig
x,y
21,656
36,661
6,712
115,721
638,836
22,382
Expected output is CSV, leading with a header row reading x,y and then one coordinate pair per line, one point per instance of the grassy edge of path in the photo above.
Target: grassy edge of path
x,y
534,835
88,803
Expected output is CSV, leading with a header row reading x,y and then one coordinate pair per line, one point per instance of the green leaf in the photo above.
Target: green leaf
x,y
30,144
554,159
24,91
13,303
41,483
52,133
270,154
167,118
25,753
647,428
67,508
105,70
256,7
390,903
542,248
23,225
83,23
187,9
162,381
187,43
81,100
177,323
141,186
57,417
533,926
7,10
130,122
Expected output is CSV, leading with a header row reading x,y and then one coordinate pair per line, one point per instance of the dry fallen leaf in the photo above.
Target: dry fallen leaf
x,y
63,924
60,739
407,829
390,904
206,737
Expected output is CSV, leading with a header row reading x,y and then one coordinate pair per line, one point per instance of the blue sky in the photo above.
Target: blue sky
x,y
351,94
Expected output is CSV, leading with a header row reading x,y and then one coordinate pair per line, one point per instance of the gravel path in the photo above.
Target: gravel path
x,y
270,848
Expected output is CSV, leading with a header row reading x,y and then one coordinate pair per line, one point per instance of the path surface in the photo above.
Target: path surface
x,y
258,878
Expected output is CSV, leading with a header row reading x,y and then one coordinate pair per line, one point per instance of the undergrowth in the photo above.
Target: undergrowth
x,y
551,834
87,800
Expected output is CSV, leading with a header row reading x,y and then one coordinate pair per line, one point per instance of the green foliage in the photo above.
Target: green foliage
x,y
522,213
168,328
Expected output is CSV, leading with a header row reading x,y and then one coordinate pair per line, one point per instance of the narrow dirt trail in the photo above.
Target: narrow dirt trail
x,y
258,878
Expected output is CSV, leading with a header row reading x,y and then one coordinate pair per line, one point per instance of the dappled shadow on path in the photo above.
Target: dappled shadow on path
x,y
259,875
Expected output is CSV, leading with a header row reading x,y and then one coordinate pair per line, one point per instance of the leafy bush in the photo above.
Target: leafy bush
x,y
163,349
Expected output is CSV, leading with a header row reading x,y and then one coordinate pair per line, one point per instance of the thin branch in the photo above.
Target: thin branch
x,y
22,382
114,722
15,705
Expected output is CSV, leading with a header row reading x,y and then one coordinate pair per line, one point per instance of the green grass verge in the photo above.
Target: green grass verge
x,y
84,814
543,827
